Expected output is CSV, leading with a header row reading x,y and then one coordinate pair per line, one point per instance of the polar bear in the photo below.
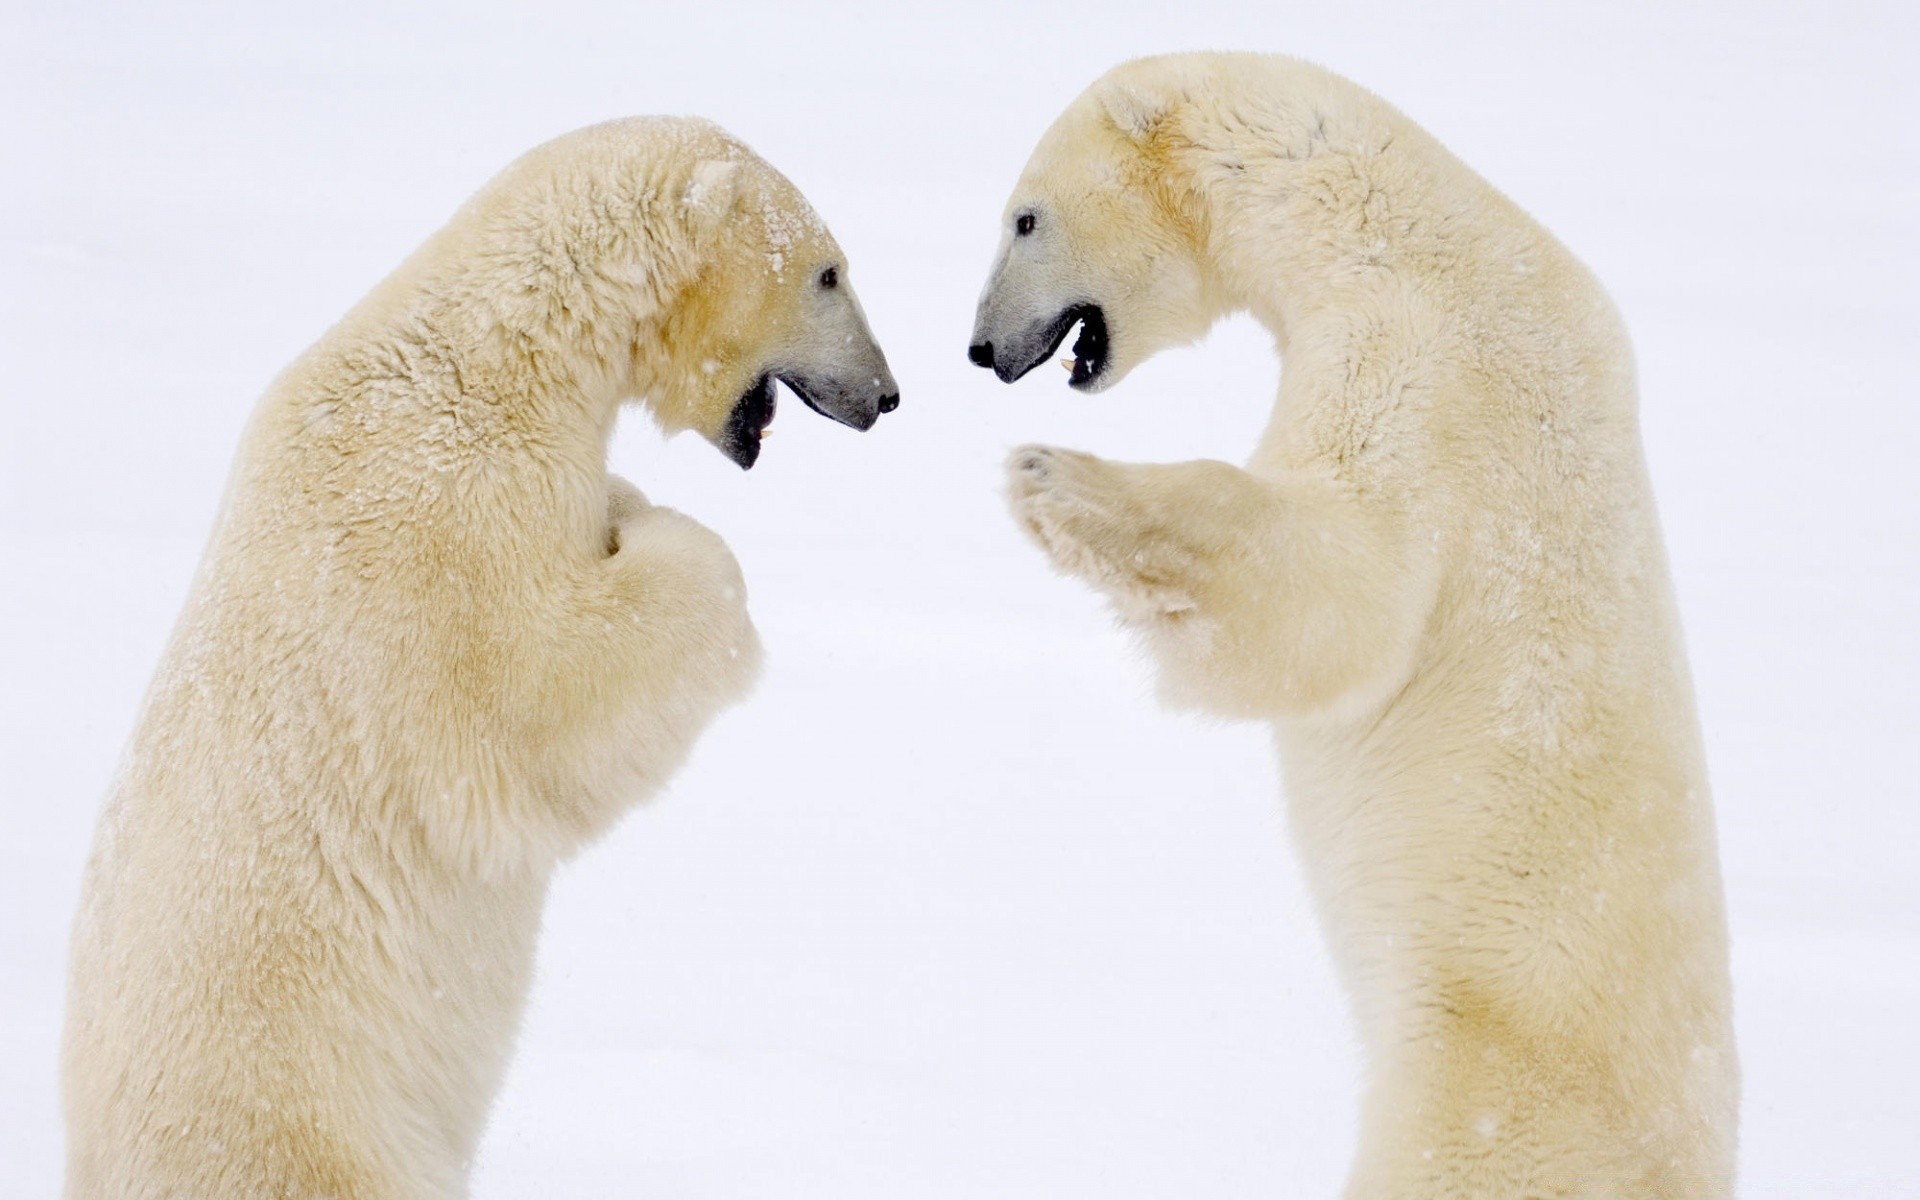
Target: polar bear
x,y
1439,578
432,649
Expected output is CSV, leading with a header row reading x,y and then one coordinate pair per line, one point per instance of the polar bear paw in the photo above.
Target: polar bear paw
x,y
626,504
1091,517
674,564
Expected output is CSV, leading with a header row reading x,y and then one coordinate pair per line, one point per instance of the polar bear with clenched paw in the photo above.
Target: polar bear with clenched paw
x,y
434,648
1439,577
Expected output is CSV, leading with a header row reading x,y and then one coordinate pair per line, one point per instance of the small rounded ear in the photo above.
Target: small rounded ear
x,y
1134,110
711,191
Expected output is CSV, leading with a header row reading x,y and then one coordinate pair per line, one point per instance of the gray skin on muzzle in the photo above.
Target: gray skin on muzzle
x,y
1025,313
834,365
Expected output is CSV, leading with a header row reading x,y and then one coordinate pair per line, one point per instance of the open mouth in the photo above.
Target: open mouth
x,y
747,423
1089,349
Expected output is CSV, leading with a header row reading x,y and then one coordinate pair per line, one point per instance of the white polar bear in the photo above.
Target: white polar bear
x,y
1439,577
432,649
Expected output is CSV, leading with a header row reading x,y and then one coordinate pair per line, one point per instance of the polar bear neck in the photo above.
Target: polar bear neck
x,y
546,297
1355,236
567,311
507,343
1307,188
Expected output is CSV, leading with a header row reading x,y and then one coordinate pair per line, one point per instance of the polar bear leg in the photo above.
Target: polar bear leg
x,y
1105,523
1258,597
664,626
618,679
1467,1130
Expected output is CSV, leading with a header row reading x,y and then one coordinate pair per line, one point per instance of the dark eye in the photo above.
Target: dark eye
x,y
1023,224
830,278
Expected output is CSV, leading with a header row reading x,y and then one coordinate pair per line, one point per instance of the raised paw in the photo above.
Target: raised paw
x,y
624,501
667,545
679,579
625,505
1089,515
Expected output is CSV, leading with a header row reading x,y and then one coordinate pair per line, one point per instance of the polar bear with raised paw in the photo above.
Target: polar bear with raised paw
x,y
1439,577
433,649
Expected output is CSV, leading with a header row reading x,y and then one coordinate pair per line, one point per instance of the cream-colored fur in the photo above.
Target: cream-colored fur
x,y
1440,578
432,649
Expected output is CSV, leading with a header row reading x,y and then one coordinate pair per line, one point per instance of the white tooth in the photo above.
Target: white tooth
x,y
766,432
1067,363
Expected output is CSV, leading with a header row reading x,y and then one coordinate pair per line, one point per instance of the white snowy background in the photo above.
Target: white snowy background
x,y
949,908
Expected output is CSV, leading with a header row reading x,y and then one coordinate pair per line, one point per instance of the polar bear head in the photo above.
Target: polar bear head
x,y
671,265
769,300
1098,235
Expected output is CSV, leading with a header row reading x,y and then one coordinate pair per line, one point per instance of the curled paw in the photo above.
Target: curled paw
x,y
625,502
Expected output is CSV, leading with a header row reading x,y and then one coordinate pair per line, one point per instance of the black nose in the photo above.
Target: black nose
x,y
889,402
981,355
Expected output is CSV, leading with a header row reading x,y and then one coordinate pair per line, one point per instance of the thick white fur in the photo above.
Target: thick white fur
x,y
432,649
1441,579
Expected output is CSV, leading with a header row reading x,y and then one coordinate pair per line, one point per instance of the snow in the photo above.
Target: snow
x,y
785,224
949,909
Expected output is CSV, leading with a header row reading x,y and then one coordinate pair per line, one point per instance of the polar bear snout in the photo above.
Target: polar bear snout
x,y
853,386
857,403
834,364
1012,352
